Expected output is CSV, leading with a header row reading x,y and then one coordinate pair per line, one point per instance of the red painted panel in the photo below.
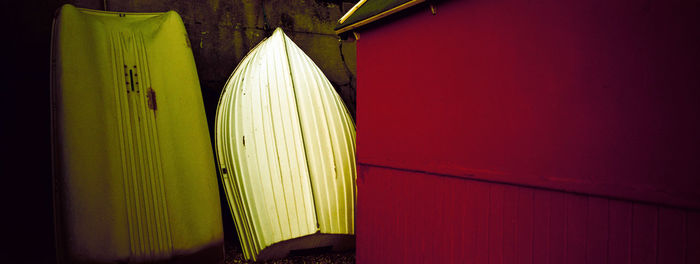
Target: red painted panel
x,y
542,217
672,242
594,96
396,226
597,231
576,215
644,233
468,225
693,238
424,202
402,219
481,190
557,228
367,220
460,200
362,228
496,223
525,226
619,246
510,223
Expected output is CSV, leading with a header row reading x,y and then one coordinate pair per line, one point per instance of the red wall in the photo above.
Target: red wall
x,y
584,113
412,217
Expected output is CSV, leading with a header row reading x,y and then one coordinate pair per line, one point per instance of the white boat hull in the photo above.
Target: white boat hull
x,y
286,149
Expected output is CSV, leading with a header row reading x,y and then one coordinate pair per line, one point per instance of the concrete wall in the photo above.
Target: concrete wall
x,y
221,32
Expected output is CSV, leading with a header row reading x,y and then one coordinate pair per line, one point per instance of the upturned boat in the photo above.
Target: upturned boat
x,y
134,174
286,149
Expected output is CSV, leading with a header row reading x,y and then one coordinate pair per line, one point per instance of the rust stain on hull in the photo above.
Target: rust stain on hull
x,y
152,99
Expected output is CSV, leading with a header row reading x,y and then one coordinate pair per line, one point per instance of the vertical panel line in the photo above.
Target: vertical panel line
x,y
301,127
607,242
488,228
585,237
685,239
631,235
567,196
532,228
125,177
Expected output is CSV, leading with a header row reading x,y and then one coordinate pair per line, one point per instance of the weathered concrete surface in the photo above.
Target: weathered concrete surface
x,y
222,32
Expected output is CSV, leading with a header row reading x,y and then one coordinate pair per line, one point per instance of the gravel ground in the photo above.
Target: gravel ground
x,y
235,255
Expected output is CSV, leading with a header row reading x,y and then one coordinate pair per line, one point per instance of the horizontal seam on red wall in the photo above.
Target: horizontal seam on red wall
x,y
472,177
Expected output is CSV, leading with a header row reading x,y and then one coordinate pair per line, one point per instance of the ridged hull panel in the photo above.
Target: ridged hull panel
x,y
285,144
133,174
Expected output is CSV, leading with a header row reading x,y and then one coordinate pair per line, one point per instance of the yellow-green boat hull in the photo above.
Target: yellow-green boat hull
x,y
134,174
